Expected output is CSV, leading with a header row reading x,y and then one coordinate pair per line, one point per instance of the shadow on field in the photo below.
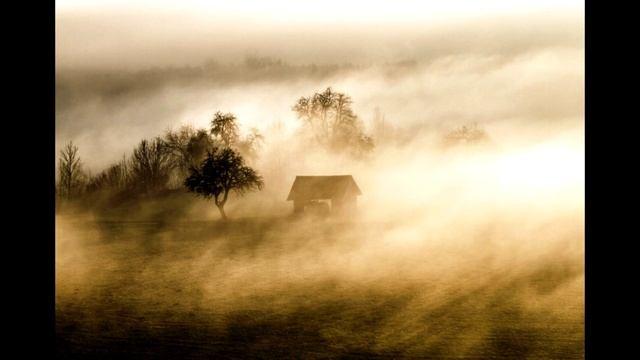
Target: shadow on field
x,y
207,290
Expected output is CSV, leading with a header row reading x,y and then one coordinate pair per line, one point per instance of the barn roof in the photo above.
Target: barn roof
x,y
322,187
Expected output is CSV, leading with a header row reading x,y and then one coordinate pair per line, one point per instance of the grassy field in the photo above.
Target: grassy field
x,y
311,289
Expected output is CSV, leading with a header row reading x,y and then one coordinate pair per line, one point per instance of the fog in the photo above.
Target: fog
x,y
455,252
539,90
446,258
159,33
473,250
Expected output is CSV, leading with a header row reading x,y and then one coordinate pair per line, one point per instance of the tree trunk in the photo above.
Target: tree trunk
x,y
222,213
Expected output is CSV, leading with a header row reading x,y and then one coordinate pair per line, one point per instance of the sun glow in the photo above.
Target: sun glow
x,y
542,167
333,10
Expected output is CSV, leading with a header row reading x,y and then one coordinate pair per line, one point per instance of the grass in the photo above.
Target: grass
x,y
263,288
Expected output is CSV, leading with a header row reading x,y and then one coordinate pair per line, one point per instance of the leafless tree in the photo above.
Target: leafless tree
x,y
151,165
70,171
116,177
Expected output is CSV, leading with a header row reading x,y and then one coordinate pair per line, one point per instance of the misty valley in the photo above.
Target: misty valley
x,y
286,287
311,194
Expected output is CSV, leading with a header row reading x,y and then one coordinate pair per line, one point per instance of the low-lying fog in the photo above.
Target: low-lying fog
x,y
471,250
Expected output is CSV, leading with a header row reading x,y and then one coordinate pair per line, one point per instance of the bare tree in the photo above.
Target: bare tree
x,y
70,170
116,177
151,165
177,143
188,147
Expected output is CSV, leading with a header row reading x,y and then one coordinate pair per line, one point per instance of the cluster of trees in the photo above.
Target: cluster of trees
x,y
215,162
330,119
466,134
223,170
179,158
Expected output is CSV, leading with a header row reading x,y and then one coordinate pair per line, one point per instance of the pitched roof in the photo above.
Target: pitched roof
x,y
322,187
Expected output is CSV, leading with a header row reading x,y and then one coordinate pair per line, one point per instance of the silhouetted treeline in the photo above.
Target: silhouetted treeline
x,y
155,165
465,134
78,85
162,163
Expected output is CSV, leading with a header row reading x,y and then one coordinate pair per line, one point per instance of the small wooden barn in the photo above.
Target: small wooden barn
x,y
340,190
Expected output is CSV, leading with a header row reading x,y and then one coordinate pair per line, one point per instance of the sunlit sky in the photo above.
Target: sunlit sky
x,y
140,34
401,10
144,33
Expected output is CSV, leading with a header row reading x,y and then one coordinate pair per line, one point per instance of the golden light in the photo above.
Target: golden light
x,y
543,167
333,10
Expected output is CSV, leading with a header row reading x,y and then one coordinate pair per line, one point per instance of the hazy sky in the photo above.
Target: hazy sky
x,y
486,61
347,11
156,33
467,231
